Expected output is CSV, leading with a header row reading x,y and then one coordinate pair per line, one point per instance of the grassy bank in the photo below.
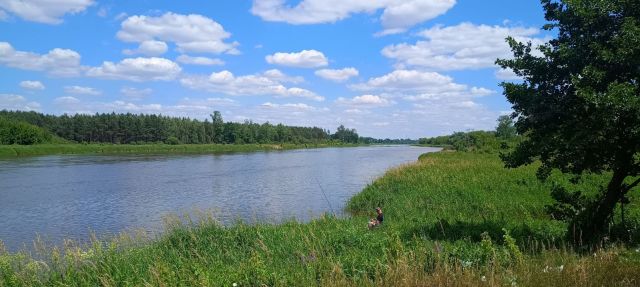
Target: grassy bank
x,y
450,219
51,149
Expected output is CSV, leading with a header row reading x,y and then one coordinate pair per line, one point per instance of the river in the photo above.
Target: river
x,y
69,196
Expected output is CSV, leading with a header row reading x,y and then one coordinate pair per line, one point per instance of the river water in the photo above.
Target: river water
x,y
70,196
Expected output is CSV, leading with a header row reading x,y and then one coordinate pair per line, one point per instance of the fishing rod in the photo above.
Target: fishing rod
x,y
324,194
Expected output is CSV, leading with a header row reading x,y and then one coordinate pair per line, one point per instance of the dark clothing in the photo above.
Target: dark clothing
x,y
380,217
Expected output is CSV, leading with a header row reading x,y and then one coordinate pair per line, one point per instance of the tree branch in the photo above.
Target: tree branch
x,y
632,185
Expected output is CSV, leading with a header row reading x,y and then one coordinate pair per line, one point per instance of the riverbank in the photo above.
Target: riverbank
x,y
450,219
53,149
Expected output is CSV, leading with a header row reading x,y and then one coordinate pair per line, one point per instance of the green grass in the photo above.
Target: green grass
x,y
450,219
50,149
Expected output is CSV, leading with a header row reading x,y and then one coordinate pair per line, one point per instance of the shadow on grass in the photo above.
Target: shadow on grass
x,y
525,235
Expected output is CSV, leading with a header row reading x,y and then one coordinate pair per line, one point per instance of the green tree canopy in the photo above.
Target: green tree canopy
x,y
579,101
505,128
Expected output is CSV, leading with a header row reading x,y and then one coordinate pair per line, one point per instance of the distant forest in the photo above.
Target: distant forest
x,y
148,128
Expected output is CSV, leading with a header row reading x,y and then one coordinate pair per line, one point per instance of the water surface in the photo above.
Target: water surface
x,y
68,196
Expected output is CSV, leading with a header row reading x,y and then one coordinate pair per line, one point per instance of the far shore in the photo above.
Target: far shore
x,y
8,151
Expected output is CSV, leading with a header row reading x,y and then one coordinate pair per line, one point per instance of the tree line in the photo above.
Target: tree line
x,y
149,128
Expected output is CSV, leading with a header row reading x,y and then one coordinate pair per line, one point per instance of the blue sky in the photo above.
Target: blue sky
x,y
387,68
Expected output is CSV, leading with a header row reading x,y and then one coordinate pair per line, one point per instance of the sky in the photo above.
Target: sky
x,y
388,68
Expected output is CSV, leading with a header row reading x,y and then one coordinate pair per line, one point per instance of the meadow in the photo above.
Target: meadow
x,y
451,219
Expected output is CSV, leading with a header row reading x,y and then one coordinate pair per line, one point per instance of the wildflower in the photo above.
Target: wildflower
x,y
638,250
234,284
546,269
560,268
483,278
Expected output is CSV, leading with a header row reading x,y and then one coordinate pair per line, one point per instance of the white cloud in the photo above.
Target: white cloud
x,y
430,104
3,15
290,106
464,46
66,100
302,59
194,108
277,75
260,84
17,102
44,11
191,33
404,81
203,61
57,62
397,16
506,75
149,48
137,69
337,75
135,94
365,101
79,90
32,85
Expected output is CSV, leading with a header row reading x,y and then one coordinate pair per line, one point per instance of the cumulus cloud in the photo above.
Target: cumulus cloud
x,y
429,104
135,94
365,101
17,102
149,48
404,81
203,61
66,100
137,69
291,106
259,84
190,33
464,46
32,85
195,108
506,75
57,62
44,11
397,16
302,59
279,76
337,75
79,90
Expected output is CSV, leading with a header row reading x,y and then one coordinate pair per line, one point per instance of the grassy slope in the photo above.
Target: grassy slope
x,y
435,211
49,149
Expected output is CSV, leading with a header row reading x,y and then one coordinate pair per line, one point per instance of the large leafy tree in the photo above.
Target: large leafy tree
x,y
579,101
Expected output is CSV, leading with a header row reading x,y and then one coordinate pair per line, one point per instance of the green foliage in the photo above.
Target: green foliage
x,y
505,129
172,141
481,141
579,104
135,129
15,132
345,135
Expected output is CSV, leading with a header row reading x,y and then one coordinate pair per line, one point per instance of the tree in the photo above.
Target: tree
x,y
505,128
578,104
218,127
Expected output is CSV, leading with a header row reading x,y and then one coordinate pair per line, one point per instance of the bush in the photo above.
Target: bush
x,y
14,132
172,141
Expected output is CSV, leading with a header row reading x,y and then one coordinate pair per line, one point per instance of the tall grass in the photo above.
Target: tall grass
x,y
450,219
